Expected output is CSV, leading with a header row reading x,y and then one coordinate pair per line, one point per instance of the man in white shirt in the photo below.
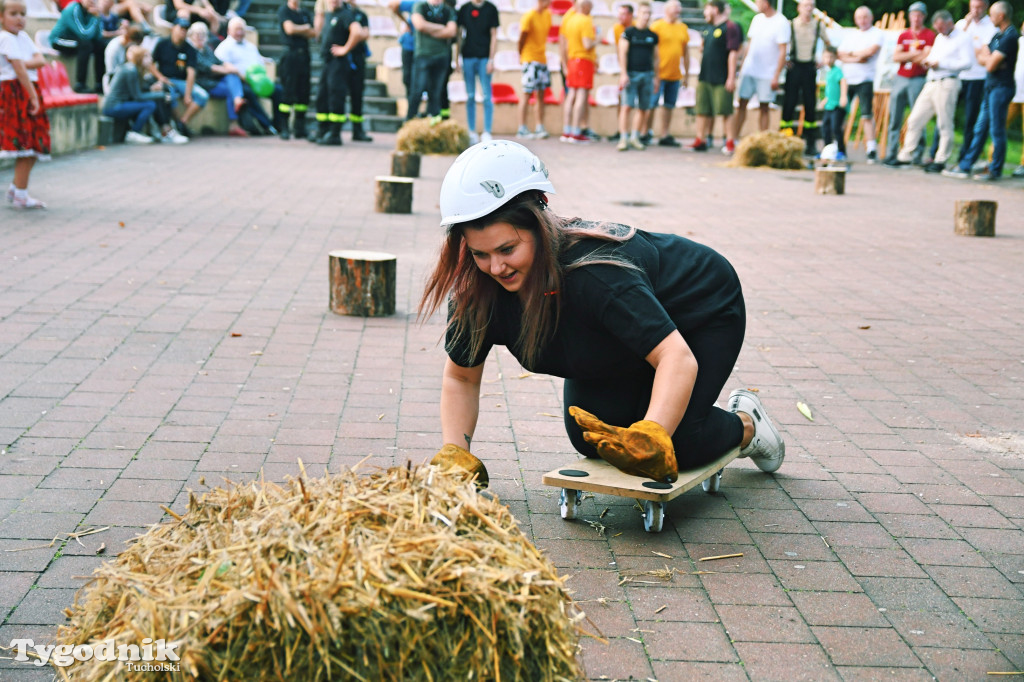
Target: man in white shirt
x,y
764,60
946,59
858,52
979,29
243,55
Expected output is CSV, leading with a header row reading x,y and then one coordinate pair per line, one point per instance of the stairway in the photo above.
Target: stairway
x,y
379,109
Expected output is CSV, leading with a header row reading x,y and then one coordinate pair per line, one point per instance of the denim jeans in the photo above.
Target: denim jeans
x,y
228,88
971,92
141,111
199,95
473,68
428,75
991,121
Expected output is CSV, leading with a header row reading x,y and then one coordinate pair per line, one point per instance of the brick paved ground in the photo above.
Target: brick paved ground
x,y
889,546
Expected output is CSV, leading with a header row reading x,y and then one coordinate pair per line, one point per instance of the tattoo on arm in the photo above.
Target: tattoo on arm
x,y
468,438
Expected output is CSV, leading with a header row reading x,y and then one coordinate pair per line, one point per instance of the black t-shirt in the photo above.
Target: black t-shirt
x,y
335,31
1005,42
173,60
642,41
297,17
359,51
612,316
478,22
719,41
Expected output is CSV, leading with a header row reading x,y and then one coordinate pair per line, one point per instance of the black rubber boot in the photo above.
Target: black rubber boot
x,y
317,132
332,138
300,125
358,134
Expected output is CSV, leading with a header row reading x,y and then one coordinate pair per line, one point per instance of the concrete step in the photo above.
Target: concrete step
x,y
387,106
385,124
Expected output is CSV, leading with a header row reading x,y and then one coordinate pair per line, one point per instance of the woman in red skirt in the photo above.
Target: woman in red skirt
x,y
24,128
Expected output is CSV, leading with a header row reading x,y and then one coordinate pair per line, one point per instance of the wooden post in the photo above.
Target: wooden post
x,y
830,180
362,283
975,218
405,164
394,194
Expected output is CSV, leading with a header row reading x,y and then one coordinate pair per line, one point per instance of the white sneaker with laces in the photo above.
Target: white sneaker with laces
x,y
174,137
132,137
766,449
485,136
473,137
27,203
540,134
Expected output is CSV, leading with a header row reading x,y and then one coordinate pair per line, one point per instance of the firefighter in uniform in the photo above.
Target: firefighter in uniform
x,y
357,75
340,38
293,69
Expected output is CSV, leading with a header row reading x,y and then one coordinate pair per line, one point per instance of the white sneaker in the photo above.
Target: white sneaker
x,y
485,136
540,134
27,203
766,448
132,137
174,137
524,134
473,137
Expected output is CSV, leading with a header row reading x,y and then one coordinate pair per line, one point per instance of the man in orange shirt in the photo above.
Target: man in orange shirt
x,y
533,37
673,41
581,41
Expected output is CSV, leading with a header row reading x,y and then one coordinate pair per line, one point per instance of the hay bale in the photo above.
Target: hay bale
x,y
405,574
770,148
419,137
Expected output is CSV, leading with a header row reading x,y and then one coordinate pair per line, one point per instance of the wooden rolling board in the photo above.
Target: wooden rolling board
x,y
603,478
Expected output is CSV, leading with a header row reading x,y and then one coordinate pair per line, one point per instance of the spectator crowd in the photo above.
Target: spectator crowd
x,y
945,65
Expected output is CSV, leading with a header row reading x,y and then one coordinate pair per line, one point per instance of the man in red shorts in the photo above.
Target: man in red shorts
x,y
581,43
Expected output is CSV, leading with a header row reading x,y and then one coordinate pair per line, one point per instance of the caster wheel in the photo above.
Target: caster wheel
x,y
654,516
712,483
568,502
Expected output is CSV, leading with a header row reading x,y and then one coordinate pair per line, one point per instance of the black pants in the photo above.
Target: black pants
x,y
428,75
293,70
333,90
972,92
356,87
407,57
832,127
801,88
82,49
706,432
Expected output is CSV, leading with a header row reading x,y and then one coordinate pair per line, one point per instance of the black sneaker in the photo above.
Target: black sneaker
x,y
184,129
699,146
872,157
646,139
613,138
895,163
668,141
935,167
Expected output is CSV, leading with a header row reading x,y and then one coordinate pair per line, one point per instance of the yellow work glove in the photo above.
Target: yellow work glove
x,y
454,456
644,449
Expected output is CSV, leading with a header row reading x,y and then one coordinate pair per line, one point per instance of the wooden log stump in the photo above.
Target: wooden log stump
x,y
405,164
975,218
394,194
830,180
362,283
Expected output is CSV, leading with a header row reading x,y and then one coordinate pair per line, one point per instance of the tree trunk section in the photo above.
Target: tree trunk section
x,y
405,164
975,218
830,180
394,194
362,283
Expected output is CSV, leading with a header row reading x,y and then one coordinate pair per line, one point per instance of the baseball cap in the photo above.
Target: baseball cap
x,y
919,7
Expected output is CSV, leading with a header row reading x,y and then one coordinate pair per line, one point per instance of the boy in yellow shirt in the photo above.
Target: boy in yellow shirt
x,y
581,42
533,59
673,44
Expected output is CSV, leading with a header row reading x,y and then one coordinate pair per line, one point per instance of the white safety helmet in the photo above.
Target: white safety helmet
x,y
829,152
487,176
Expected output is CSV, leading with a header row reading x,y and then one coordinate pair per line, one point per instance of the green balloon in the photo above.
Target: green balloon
x,y
259,81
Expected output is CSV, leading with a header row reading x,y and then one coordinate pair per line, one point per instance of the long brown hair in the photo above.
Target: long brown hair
x,y
473,292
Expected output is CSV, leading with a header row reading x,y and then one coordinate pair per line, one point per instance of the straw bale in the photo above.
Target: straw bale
x,y
770,148
419,137
403,574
